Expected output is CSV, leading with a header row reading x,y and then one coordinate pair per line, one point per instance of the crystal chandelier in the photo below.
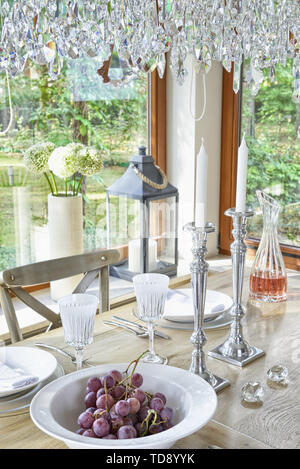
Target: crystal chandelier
x,y
141,32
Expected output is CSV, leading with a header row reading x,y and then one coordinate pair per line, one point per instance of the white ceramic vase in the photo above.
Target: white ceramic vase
x,y
65,237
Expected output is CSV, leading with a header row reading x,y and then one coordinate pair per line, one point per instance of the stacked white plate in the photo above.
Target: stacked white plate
x,y
179,310
179,305
23,372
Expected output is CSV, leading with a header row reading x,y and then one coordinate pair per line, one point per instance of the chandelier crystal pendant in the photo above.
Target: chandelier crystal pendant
x,y
141,32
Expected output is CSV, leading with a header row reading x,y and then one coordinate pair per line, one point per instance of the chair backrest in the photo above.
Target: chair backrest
x,y
92,264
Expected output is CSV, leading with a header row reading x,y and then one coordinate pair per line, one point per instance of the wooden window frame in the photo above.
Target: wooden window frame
x,y
231,111
159,120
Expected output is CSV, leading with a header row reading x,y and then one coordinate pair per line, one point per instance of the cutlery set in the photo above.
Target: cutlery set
x,y
135,328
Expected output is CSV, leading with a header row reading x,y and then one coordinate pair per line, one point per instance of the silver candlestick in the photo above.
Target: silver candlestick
x,y
235,350
199,272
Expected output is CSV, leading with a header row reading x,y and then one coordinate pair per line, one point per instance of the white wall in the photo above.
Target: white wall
x,y
184,137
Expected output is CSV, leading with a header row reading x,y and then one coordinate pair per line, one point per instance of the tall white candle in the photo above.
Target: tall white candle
x,y
134,255
241,183
201,187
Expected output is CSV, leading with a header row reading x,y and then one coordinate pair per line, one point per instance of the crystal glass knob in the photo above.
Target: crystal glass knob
x,y
252,392
278,374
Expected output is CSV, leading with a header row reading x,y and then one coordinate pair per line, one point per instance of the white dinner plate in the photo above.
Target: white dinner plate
x,y
219,322
32,361
20,402
179,307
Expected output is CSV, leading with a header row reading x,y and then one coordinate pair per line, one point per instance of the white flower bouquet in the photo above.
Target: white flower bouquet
x,y
63,162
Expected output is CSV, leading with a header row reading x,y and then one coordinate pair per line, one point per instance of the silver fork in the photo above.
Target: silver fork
x,y
139,326
124,326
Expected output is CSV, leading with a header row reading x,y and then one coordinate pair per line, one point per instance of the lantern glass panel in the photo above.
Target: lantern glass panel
x,y
163,231
124,222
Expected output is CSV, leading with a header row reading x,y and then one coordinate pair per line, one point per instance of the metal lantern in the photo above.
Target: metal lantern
x,y
142,220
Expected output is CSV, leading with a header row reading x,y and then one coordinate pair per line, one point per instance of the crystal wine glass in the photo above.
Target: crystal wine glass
x,y
151,292
78,313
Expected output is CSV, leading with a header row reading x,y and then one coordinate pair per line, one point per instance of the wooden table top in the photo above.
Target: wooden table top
x,y
274,328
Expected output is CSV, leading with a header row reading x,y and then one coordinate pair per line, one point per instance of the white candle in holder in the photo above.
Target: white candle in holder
x,y
201,187
241,182
134,255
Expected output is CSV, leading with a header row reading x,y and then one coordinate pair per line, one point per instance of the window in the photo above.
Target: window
x,y
117,120
271,122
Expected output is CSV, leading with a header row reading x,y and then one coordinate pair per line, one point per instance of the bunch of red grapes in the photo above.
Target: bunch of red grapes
x,y
117,409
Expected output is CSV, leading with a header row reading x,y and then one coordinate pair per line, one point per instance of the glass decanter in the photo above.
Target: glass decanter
x,y
268,279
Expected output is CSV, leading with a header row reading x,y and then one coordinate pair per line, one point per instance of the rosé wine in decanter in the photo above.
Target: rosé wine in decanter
x,y
268,279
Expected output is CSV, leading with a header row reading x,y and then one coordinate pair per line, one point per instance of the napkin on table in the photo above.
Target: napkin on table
x,y
14,378
176,299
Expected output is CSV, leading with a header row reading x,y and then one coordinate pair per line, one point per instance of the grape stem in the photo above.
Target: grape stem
x,y
128,385
106,396
100,413
146,421
136,362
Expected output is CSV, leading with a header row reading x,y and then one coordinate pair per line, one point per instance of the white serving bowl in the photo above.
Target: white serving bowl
x,y
55,409
32,361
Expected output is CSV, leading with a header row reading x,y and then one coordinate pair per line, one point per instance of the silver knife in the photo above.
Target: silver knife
x,y
63,352
142,328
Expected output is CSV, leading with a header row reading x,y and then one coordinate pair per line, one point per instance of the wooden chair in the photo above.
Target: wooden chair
x,y
91,264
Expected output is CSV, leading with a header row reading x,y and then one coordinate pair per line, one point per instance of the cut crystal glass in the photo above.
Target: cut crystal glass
x,y
268,278
78,312
141,32
278,374
151,293
252,392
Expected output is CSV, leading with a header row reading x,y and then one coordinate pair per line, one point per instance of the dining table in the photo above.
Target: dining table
x,y
273,327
